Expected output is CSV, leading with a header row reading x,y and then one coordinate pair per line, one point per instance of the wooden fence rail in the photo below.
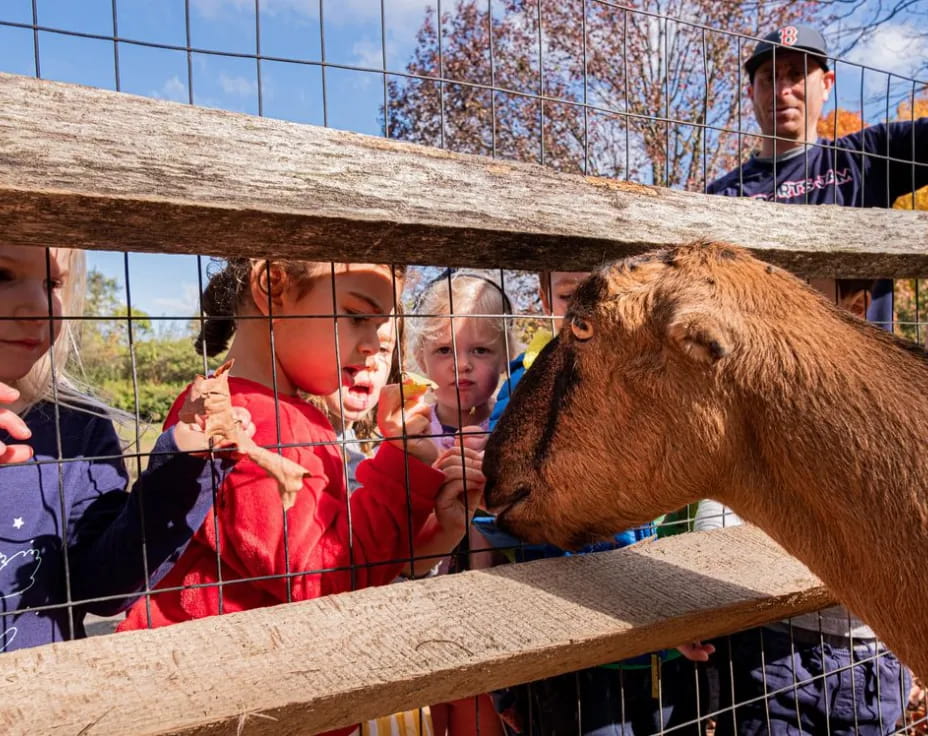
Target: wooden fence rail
x,y
97,169
307,667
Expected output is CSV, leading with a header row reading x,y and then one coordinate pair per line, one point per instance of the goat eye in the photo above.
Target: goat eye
x,y
582,329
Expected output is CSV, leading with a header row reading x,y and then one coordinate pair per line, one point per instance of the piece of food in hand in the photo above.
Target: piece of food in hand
x,y
209,403
415,385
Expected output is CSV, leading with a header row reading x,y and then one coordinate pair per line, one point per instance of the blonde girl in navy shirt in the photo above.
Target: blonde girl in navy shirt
x,y
71,538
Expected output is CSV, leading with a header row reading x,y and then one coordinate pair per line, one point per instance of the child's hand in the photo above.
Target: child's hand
x,y
417,417
462,491
13,423
190,437
696,651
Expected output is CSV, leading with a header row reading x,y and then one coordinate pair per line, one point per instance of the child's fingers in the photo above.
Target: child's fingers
x,y
414,418
452,494
455,454
417,423
14,424
696,651
243,419
473,474
446,462
473,436
189,437
8,394
14,453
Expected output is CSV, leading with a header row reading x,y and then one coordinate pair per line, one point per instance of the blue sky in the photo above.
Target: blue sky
x,y
289,29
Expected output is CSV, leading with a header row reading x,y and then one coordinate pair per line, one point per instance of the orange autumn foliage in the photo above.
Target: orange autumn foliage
x,y
847,122
917,108
910,295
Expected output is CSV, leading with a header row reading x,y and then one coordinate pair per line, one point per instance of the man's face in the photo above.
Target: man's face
x,y
788,99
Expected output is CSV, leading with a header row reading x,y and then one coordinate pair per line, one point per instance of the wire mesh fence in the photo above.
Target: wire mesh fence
x,y
645,94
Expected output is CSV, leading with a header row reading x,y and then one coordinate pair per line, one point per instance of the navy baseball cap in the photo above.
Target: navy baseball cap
x,y
793,37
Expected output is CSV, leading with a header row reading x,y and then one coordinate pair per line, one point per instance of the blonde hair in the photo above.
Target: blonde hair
x,y
48,379
459,295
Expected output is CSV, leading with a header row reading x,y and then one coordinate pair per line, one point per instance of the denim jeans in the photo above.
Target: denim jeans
x,y
812,688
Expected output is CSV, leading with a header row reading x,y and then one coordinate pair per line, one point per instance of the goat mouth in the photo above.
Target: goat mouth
x,y
518,497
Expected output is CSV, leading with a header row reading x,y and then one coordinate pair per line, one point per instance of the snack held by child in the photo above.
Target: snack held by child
x,y
208,401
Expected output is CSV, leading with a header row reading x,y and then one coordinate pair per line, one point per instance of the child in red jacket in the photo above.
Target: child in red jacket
x,y
285,339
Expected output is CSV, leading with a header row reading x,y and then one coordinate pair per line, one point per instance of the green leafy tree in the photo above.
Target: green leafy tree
x,y
146,374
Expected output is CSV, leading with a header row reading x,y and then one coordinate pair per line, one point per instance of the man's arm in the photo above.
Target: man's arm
x,y
898,158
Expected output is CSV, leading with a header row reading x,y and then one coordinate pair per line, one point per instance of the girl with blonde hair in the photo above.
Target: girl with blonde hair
x,y
71,541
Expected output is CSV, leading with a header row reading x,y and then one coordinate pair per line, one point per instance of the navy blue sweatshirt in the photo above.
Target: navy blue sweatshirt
x,y
871,168
71,521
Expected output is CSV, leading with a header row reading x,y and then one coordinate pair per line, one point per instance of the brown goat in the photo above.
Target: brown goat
x,y
700,371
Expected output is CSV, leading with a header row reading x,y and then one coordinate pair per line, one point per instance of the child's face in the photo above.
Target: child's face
x,y
563,286
305,346
480,360
366,380
27,285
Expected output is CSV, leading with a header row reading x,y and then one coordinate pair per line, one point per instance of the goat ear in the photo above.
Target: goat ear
x,y
700,336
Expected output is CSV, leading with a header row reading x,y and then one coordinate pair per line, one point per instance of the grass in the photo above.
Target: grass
x,y
136,454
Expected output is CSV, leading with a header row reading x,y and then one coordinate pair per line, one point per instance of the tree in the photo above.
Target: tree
x,y
155,370
910,110
839,123
648,91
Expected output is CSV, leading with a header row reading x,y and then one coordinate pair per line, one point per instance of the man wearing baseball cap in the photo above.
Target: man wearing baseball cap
x,y
813,665
789,81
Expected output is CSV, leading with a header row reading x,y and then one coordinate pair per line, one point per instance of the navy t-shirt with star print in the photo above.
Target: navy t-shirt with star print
x,y
69,531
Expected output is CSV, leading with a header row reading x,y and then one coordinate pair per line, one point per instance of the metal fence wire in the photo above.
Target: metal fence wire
x,y
652,93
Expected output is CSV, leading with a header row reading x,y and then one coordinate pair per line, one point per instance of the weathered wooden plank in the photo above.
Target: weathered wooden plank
x,y
305,667
97,169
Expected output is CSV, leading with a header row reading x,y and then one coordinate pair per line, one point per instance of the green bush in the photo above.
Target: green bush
x,y
155,399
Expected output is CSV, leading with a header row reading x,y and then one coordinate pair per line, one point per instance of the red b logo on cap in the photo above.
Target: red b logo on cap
x,y
789,35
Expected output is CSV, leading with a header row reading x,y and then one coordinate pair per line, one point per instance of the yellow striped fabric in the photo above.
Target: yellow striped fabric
x,y
411,723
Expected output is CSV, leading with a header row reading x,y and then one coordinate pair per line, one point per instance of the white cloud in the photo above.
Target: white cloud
x,y
172,89
367,54
238,85
893,47
185,304
397,12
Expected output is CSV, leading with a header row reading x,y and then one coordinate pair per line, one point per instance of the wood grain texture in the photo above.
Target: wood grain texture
x,y
306,667
92,168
